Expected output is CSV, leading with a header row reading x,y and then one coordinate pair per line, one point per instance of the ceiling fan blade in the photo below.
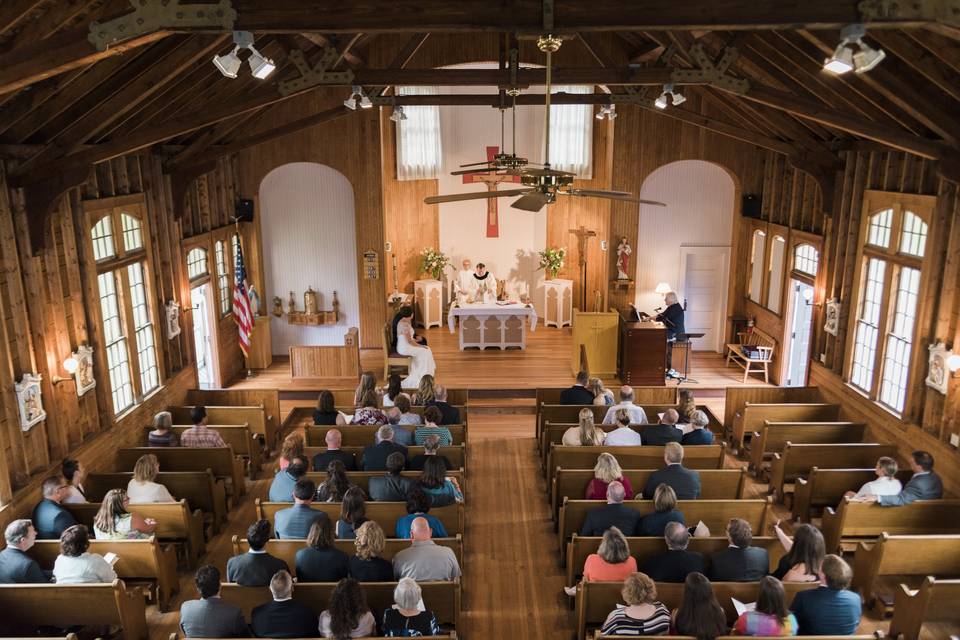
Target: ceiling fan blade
x,y
474,164
469,171
546,172
480,195
624,196
532,201
652,202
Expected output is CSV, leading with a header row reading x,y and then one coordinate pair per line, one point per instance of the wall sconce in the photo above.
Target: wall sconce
x,y
953,363
70,365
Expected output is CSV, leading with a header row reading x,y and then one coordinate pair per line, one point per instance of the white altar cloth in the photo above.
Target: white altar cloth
x,y
484,325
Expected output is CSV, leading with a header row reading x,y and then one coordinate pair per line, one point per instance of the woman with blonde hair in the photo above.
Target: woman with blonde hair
x,y
162,434
606,471
291,448
114,522
142,488
664,512
642,615
686,407
426,391
585,434
368,382
612,562
367,565
601,395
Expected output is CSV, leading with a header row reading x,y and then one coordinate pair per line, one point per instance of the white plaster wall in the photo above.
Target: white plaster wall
x,y
699,212
308,232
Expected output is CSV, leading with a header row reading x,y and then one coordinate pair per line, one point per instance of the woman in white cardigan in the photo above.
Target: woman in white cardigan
x,y
142,488
75,565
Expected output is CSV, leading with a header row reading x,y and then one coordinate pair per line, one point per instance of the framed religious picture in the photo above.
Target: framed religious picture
x,y
84,373
832,316
29,401
938,375
173,319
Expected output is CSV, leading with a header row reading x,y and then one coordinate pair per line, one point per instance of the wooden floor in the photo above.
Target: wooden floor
x,y
546,362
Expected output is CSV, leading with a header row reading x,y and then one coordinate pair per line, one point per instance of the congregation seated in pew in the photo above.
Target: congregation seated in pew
x,y
664,432
612,561
686,406
602,397
586,433
699,433
418,506
391,391
623,435
256,567
326,412
432,418
664,512
209,616
804,557
886,483
405,416
320,560
405,619
923,485
578,393
335,487
199,435
684,482
16,567
334,440
771,616
830,609
435,482
291,448
114,522
739,562
375,455
369,410
607,470
612,514
431,448
76,565
424,559
73,474
637,414
282,617
142,487
392,486
676,563
295,521
367,565
449,414
699,613
352,513
401,436
283,483
642,614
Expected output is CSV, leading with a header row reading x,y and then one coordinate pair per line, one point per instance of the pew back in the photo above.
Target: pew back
x,y
199,488
385,514
738,397
641,395
241,439
286,550
362,478
853,521
825,487
255,417
454,453
363,434
754,415
773,436
267,399
220,460
709,456
798,459
935,601
893,555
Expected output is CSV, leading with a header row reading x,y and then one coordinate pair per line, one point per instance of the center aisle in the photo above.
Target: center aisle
x,y
513,586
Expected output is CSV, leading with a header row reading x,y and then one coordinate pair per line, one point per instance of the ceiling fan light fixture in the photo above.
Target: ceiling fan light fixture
x,y
661,101
365,102
841,61
260,66
229,63
867,57
398,114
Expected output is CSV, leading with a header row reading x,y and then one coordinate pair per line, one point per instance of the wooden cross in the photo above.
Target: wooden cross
x,y
583,234
491,180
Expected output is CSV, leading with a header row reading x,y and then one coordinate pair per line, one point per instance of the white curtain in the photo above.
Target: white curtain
x,y
418,138
571,134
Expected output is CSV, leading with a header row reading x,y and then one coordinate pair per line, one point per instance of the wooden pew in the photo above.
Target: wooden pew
x,y
707,456
455,454
641,395
825,487
385,514
934,602
595,600
853,521
442,598
200,489
255,417
714,513
893,555
876,635
772,437
754,415
361,435
344,397
798,459
362,478
736,399
287,549
570,414
239,437
645,548
715,484
268,400
175,523
137,561
220,460
68,605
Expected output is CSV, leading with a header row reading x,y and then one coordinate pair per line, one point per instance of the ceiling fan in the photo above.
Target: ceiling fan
x,y
508,163
541,185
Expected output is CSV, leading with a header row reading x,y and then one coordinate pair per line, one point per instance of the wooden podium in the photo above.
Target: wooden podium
x,y
597,333
642,358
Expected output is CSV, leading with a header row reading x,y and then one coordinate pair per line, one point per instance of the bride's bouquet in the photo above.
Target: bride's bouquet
x,y
434,262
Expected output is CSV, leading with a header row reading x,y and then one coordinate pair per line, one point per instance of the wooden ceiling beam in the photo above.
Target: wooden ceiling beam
x,y
945,49
496,77
351,58
13,12
213,135
920,60
24,104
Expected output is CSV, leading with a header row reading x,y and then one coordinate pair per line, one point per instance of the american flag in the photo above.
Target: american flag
x,y
241,303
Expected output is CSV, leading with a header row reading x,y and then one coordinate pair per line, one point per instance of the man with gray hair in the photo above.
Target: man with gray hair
x,y
451,415
375,455
684,482
667,431
698,434
16,567
612,514
284,617
424,559
400,435
677,562
637,414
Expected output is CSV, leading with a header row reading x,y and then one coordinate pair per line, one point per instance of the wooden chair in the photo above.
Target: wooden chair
x,y
855,521
645,548
825,487
287,549
797,460
390,357
385,514
758,351
68,605
901,556
755,415
935,601
220,460
773,436
145,561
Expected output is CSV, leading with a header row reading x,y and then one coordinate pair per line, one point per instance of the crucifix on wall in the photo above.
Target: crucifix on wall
x,y
491,180
583,235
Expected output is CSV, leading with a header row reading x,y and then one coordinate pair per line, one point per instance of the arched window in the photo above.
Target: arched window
x,y
778,254
126,313
806,259
223,276
197,263
888,294
757,253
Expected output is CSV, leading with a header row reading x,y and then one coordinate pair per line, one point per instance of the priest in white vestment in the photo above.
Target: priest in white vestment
x,y
464,282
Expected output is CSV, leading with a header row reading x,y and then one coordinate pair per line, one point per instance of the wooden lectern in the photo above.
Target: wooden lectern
x,y
642,358
597,333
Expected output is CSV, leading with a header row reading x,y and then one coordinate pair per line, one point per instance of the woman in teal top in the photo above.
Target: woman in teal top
x,y
435,483
431,416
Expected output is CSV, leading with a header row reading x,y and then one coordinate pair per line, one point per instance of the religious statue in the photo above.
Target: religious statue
x,y
292,304
623,259
254,300
277,306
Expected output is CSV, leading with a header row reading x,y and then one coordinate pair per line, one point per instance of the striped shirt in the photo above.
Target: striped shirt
x,y
618,623
201,436
446,438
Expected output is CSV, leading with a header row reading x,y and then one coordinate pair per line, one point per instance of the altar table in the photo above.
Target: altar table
x,y
485,325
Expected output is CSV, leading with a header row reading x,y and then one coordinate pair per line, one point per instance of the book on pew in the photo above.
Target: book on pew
x,y
741,607
346,418
111,558
701,530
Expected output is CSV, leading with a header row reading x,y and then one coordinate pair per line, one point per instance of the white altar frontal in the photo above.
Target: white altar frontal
x,y
484,325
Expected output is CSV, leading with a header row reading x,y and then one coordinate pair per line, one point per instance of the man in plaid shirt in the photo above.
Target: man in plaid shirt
x,y
199,435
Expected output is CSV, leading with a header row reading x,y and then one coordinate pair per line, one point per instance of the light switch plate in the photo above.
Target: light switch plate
x,y
603,245
388,246
955,439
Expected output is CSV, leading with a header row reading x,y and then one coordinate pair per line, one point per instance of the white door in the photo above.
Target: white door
x,y
801,313
202,335
703,290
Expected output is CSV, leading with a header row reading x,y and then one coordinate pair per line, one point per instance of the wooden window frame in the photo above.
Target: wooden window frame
x,y
203,276
134,205
770,231
797,239
874,202
768,274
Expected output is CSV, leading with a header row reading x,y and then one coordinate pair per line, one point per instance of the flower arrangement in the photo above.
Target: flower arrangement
x,y
434,262
551,260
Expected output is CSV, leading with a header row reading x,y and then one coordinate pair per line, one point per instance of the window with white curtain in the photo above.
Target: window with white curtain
x,y
571,134
778,253
756,265
419,150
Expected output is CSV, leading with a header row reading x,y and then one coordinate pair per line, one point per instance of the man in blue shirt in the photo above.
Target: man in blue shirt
x,y
830,609
281,489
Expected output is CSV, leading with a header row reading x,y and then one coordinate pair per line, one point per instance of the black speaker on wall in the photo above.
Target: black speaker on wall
x,y
750,207
244,210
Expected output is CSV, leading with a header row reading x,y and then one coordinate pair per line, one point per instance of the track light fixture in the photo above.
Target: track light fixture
x,y
608,111
229,64
675,97
398,114
853,54
357,99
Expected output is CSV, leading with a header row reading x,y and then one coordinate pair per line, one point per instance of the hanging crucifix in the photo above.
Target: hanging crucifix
x,y
583,235
491,180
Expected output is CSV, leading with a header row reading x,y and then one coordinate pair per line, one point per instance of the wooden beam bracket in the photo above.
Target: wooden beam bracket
x,y
713,73
943,11
41,199
824,175
317,75
160,15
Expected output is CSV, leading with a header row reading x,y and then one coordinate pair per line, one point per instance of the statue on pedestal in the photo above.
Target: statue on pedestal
x,y
623,259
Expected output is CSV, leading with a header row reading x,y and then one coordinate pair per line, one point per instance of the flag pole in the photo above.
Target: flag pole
x,y
246,357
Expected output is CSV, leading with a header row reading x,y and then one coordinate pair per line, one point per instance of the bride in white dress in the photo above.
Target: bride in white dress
x,y
421,356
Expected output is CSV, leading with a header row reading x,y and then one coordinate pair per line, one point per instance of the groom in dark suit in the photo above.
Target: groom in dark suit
x,y
739,562
924,485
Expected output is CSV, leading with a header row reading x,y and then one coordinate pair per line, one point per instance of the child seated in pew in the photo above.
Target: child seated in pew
x,y
162,434
142,488
114,522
